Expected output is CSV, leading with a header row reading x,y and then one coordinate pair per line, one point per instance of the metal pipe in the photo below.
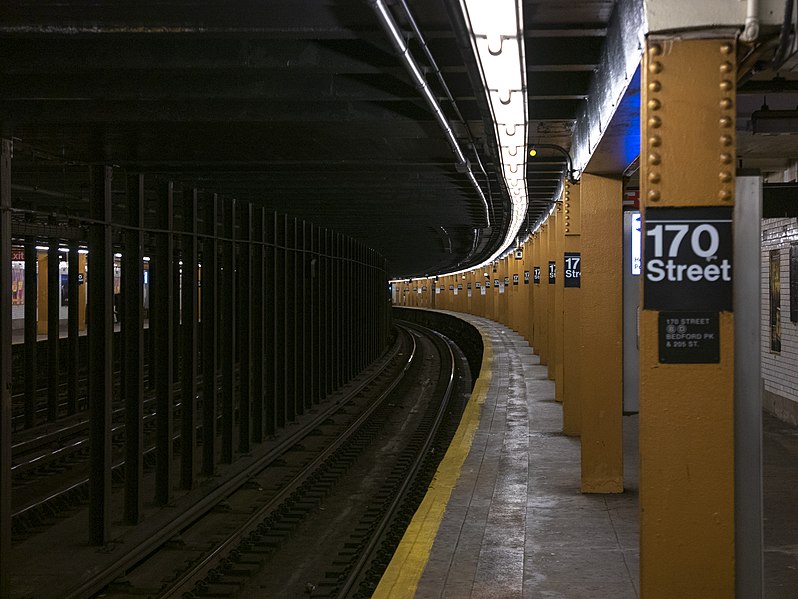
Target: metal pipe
x,y
751,31
391,28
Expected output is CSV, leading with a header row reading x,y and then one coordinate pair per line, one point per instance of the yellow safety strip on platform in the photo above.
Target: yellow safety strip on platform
x,y
403,573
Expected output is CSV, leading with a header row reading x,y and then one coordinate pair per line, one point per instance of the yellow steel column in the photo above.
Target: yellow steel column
x,y
542,293
571,410
601,377
686,409
82,293
558,305
504,308
41,294
532,262
551,274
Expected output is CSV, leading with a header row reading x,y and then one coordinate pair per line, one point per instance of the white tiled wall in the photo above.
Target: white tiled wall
x,y
779,370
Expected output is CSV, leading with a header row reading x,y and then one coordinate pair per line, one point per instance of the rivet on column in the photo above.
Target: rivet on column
x,y
654,158
654,122
655,141
653,195
654,177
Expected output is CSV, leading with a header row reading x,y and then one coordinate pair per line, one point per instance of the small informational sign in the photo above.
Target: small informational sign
x,y
487,284
469,285
688,259
80,278
536,274
495,282
479,284
526,277
424,289
689,337
501,287
572,272
506,281
418,290
519,254
482,291
459,285
437,291
636,244
552,272
515,279
451,287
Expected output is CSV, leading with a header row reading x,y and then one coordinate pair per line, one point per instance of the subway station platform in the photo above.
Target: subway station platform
x,y
515,523
504,517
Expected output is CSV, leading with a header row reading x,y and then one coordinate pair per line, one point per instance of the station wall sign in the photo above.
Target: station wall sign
x,y
495,282
526,277
506,281
451,287
515,279
536,272
572,272
552,272
459,285
687,259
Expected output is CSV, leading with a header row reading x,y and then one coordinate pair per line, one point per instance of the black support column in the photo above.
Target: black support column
x,y
210,335
280,326
244,314
73,356
31,302
228,348
101,329
133,347
257,295
162,311
269,306
5,368
53,328
188,393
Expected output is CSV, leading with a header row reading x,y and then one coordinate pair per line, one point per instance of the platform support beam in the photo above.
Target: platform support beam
x,y
571,329
101,372
190,301
163,282
687,409
602,335
133,350
5,368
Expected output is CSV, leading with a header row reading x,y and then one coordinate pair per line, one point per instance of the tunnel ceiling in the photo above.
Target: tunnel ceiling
x,y
298,105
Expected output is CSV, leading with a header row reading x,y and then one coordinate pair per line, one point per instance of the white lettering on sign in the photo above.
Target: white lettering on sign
x,y
572,266
704,241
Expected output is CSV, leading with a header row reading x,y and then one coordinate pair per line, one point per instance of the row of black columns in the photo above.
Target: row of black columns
x,y
254,318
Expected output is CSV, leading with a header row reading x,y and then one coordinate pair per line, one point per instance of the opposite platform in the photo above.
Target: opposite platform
x,y
504,516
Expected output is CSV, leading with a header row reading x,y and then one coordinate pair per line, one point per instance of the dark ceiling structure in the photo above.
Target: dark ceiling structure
x,y
302,106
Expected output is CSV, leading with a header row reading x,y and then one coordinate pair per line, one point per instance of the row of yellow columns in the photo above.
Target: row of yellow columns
x,y
526,291
686,409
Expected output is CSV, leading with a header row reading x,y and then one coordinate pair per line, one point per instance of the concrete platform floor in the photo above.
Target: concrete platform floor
x,y
516,524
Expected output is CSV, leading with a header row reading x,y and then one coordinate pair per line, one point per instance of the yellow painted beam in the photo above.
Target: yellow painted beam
x,y
601,335
558,305
572,297
542,296
686,410
551,297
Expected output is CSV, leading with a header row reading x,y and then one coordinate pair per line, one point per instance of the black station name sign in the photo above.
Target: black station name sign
x,y
573,269
687,259
515,279
536,275
552,272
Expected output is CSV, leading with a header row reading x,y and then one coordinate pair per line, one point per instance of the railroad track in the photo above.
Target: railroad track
x,y
341,492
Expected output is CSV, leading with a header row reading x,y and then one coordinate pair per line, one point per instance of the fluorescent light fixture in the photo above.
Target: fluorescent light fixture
x,y
497,39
